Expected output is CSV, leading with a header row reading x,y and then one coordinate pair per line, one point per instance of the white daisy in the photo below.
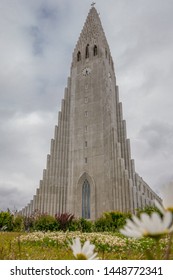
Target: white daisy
x,y
167,195
151,226
83,253
159,206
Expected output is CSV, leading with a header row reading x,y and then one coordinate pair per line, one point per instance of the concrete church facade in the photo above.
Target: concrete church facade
x,y
89,168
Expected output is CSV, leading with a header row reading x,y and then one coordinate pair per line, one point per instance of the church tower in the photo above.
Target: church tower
x,y
89,169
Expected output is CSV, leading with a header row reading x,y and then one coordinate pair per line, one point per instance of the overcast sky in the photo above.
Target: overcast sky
x,y
37,38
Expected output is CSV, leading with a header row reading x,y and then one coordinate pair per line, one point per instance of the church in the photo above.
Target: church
x,y
89,169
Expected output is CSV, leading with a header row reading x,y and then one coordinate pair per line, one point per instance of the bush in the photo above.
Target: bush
x,y
118,219
6,221
74,225
64,220
111,221
45,222
80,224
18,223
85,225
102,224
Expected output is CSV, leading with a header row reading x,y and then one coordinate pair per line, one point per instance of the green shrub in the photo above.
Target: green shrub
x,y
74,225
118,219
46,223
102,224
81,224
85,225
6,221
18,223
111,221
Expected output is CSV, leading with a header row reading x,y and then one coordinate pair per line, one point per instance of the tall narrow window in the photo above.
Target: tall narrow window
x,y
86,200
106,53
86,128
109,59
78,56
86,113
86,160
87,51
86,99
95,50
112,65
86,144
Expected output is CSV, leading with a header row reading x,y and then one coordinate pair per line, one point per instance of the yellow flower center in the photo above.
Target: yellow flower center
x,y
170,209
81,257
157,235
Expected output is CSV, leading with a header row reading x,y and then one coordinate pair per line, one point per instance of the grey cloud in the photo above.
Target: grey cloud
x,y
47,13
158,137
13,198
38,40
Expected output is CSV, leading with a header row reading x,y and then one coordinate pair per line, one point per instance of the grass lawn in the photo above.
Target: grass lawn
x,y
55,246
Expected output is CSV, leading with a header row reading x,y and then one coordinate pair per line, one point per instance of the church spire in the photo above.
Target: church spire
x,y
92,30
92,35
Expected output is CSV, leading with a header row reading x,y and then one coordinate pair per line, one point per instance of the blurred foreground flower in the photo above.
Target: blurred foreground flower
x,y
83,253
167,195
148,226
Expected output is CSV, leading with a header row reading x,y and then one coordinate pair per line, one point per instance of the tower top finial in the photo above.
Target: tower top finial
x,y
93,4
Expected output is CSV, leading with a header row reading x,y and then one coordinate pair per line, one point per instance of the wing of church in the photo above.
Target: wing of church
x,y
89,168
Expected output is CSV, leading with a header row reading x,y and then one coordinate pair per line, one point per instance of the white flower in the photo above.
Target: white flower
x,y
167,195
159,206
83,253
151,226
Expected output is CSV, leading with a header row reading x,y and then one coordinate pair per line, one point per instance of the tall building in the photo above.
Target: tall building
x,y
89,168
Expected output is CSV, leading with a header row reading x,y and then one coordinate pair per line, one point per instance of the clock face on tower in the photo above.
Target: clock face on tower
x,y
86,71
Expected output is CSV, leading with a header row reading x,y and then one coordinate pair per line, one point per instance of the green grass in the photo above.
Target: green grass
x,y
55,246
